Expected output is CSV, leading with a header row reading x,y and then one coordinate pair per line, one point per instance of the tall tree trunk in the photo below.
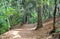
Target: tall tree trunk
x,y
54,18
39,21
25,15
24,20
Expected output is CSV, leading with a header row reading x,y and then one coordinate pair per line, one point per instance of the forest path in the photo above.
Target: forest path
x,y
26,33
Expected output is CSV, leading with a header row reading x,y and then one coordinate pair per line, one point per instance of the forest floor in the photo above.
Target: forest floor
x,y
27,31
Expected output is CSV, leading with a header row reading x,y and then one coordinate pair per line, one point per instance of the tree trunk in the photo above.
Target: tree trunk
x,y
39,22
49,15
54,18
24,19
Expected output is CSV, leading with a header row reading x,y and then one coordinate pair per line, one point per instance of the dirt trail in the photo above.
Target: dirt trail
x,y
27,31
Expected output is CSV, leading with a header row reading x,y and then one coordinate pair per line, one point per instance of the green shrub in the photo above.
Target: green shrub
x,y
3,26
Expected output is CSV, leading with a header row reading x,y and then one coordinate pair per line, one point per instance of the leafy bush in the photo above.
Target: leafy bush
x,y
33,19
16,19
3,26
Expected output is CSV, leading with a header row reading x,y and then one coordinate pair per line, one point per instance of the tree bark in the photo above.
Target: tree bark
x,y
24,19
54,18
39,21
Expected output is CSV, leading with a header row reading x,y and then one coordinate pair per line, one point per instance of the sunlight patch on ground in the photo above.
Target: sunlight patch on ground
x,y
14,32
17,36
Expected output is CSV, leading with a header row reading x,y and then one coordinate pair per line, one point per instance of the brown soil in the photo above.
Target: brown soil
x,y
27,31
